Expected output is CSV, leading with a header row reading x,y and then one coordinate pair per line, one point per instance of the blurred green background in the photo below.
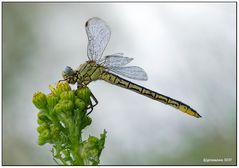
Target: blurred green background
x,y
187,49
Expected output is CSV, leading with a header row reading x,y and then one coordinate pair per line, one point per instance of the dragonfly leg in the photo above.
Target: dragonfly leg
x,y
94,98
61,80
91,106
79,85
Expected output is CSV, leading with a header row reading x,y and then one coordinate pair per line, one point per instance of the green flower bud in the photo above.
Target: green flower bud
x,y
84,94
55,130
87,121
41,141
57,109
67,105
64,106
42,118
39,121
51,100
80,104
44,137
67,95
93,139
60,87
39,100
42,127
63,86
53,90
41,115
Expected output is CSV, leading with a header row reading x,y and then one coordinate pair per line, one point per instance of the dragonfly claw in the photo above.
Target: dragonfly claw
x,y
91,106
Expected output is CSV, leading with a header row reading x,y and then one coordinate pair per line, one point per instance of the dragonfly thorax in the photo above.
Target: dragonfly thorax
x,y
86,73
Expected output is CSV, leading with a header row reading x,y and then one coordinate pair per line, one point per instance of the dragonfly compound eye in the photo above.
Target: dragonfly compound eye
x,y
67,72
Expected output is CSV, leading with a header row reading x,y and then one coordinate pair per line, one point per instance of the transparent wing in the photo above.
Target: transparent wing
x,y
98,35
132,72
116,60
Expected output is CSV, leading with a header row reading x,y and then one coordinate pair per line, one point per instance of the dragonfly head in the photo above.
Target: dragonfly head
x,y
69,75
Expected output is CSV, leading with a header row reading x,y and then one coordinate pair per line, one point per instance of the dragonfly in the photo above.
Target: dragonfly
x,y
113,69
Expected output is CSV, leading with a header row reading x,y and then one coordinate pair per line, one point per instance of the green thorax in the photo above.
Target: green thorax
x,y
88,72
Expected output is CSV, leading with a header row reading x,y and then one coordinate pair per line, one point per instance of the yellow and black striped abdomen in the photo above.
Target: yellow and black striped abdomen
x,y
116,80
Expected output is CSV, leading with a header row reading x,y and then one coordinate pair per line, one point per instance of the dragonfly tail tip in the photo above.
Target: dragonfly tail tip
x,y
198,116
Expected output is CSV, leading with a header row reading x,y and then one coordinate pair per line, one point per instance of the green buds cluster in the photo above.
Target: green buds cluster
x,y
61,119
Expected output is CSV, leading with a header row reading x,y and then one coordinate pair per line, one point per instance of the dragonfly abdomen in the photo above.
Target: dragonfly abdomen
x,y
116,80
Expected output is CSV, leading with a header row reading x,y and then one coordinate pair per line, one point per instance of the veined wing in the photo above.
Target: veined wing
x,y
116,60
132,72
98,35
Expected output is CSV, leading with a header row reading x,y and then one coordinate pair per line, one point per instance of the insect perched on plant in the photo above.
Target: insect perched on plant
x,y
106,68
